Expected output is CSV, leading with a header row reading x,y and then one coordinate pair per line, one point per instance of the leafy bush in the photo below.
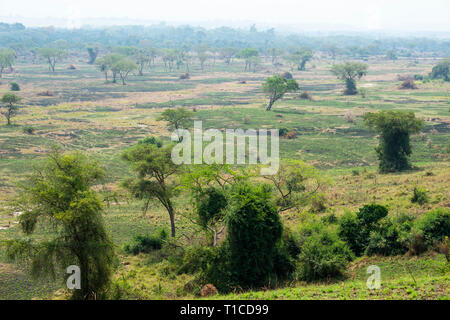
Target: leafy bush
x,y
419,196
254,232
146,243
323,254
211,206
356,229
151,140
388,239
14,86
28,130
434,226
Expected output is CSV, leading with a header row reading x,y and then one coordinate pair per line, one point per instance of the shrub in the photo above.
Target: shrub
x,y
318,202
329,219
146,243
323,254
28,130
349,116
388,239
151,140
306,96
14,86
287,75
434,226
211,205
356,229
408,84
283,131
419,196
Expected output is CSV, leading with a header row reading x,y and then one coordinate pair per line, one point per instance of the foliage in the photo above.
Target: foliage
x,y
60,194
275,88
441,70
419,196
395,128
155,176
295,184
10,100
146,243
14,86
52,55
323,255
350,72
434,226
7,58
177,118
254,231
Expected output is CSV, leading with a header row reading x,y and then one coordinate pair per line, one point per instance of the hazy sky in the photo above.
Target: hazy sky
x,y
421,15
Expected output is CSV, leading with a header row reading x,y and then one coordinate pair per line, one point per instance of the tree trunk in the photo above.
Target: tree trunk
x,y
172,218
271,102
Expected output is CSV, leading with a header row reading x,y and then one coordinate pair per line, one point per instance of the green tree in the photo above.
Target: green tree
x,y
301,57
92,52
295,184
123,67
275,87
155,176
61,195
52,55
106,63
254,232
441,70
394,128
350,72
178,118
248,55
7,57
10,100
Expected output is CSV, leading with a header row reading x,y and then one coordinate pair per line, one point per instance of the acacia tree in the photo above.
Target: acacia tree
x,y
52,55
123,67
10,100
210,186
248,54
7,57
143,59
178,118
394,128
295,184
275,87
301,57
350,72
106,63
61,196
155,176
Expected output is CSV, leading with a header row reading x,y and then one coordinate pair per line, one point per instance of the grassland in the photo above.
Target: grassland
x,y
85,113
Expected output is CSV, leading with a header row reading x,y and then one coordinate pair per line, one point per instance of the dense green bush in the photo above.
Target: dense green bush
x,y
254,232
356,229
14,86
419,196
434,226
389,239
323,255
146,243
211,205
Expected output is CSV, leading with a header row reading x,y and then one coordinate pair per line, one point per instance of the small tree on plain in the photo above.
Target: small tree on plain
x,y
10,102
275,88
123,67
350,72
7,58
155,176
395,128
52,55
